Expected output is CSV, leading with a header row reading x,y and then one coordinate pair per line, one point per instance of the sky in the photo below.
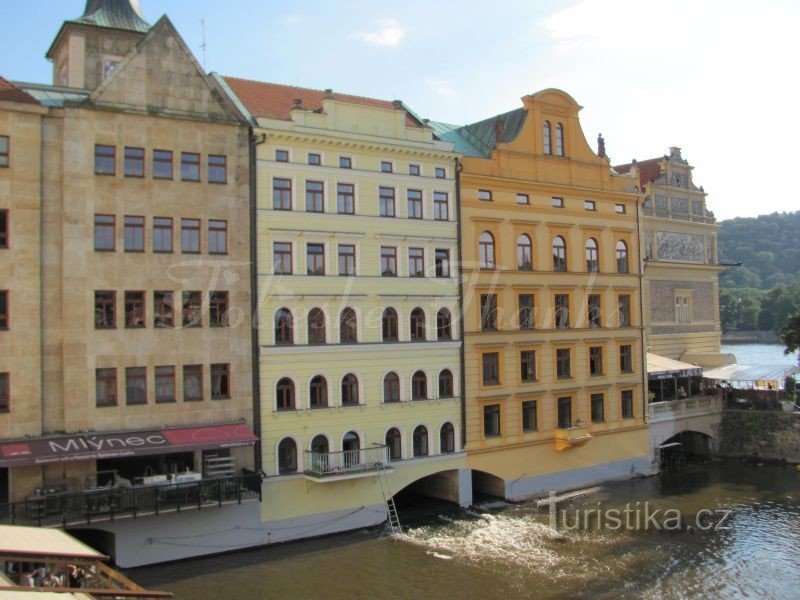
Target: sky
x,y
715,77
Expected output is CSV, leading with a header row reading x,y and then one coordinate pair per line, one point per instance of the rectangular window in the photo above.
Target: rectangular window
x,y
489,312
527,366
134,162
414,204
345,199
386,166
190,166
565,413
162,164
619,209
162,234
315,259
598,409
624,303
529,415
345,162
5,393
192,309
626,359
416,262
105,308
557,202
105,387
5,150
190,236
135,385
281,156
589,205
163,311
562,311
563,363
104,226
282,258
134,310
347,259
440,206
315,196
485,195
594,311
105,160
165,384
491,368
523,199
525,311
626,397
595,360
314,159
440,173
192,383
386,201
134,233
220,381
4,229
682,313
442,262
218,309
388,261
217,237
491,420
413,170
217,168
4,309
281,193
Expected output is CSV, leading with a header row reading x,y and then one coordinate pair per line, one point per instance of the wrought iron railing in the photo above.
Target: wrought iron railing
x,y
322,464
130,502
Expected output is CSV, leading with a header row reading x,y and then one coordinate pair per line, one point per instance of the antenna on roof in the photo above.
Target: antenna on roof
x,y
203,45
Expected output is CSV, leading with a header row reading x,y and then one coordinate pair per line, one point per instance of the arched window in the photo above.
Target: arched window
x,y
486,250
284,393
287,456
316,326
391,388
446,384
622,257
417,324
548,147
559,254
419,386
348,326
592,260
318,392
421,441
320,459
351,446
389,325
395,442
319,445
559,140
349,390
284,327
447,438
443,325
524,261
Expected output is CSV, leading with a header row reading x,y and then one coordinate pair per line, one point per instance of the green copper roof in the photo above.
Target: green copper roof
x,y
450,133
115,14
479,139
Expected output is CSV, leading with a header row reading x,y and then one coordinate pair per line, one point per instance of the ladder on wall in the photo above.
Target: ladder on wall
x,y
391,509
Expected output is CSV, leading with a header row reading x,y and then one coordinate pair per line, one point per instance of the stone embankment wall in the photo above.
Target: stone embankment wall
x,y
767,435
750,337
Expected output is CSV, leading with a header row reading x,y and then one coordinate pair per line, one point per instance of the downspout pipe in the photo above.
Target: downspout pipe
x,y
642,328
253,141
42,394
459,242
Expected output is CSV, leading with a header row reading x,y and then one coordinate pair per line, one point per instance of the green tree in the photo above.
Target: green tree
x,y
739,308
790,334
777,306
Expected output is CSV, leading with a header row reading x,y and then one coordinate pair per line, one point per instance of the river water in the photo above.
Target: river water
x,y
500,550
760,354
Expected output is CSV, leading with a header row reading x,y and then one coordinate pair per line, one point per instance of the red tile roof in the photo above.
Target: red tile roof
x,y
276,101
649,169
11,93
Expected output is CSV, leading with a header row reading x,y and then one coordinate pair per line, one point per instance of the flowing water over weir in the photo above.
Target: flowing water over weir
x,y
500,550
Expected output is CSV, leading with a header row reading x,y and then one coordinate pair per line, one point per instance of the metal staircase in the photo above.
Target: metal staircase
x,y
391,509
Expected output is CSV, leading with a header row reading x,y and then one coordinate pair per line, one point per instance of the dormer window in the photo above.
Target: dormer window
x,y
109,64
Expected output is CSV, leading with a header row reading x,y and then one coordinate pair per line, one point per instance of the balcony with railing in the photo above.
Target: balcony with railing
x,y
572,436
685,407
108,504
346,464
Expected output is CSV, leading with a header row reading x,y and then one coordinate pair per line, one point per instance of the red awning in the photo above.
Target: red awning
x,y
91,446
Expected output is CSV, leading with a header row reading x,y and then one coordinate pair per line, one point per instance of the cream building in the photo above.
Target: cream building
x,y
358,308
